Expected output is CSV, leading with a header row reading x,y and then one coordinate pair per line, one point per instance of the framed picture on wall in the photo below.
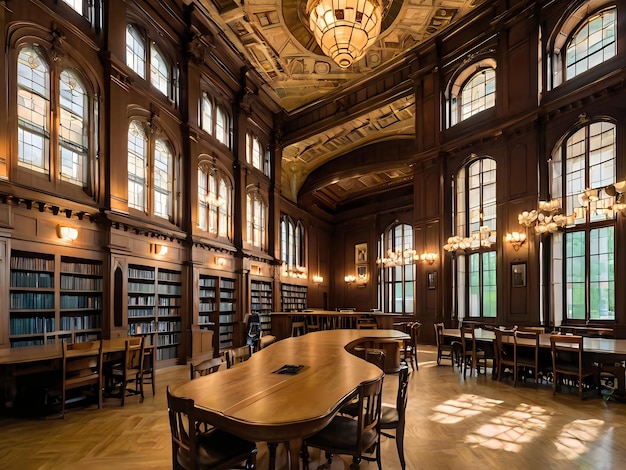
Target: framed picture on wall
x,y
360,253
518,274
431,280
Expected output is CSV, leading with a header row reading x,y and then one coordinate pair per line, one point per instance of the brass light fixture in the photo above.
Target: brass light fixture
x,y
345,29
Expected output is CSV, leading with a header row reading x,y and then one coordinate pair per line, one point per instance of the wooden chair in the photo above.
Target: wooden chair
x,y
205,367
298,326
130,369
409,351
444,351
82,369
505,352
472,355
393,417
526,353
313,323
214,449
568,361
236,355
148,366
345,435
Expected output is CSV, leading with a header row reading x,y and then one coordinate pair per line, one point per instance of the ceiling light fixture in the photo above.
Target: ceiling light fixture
x,y
345,29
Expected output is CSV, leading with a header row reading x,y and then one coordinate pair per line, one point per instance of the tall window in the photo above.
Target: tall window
x,y
206,118
396,280
256,154
222,126
471,91
292,246
255,219
35,132
214,201
150,167
137,58
583,265
475,222
581,45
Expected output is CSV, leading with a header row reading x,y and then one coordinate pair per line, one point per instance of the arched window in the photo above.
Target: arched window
x,y
584,251
161,70
137,161
581,45
214,201
73,110
256,219
471,91
85,8
73,118
222,126
135,51
396,280
474,223
206,118
150,172
292,244
256,155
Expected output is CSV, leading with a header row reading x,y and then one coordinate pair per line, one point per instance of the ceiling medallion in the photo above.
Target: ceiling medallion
x,y
345,29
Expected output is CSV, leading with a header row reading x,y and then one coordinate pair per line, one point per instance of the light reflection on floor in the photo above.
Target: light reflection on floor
x,y
576,437
462,407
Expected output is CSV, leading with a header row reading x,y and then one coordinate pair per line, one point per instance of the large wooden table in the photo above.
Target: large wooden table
x,y
281,321
255,403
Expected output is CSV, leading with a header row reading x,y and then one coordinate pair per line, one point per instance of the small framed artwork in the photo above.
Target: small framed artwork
x,y
360,253
518,274
361,272
431,280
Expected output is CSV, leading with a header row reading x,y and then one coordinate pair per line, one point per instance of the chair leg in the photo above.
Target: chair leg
x,y
271,447
400,446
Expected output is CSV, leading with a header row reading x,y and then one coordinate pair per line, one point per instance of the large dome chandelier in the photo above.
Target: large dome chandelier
x,y
345,29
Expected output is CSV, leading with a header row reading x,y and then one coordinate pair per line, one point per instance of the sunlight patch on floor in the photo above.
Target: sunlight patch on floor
x,y
462,407
575,438
512,429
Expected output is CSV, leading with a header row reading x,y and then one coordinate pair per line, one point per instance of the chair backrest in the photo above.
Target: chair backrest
x,y
403,392
468,339
376,357
205,367
82,364
439,334
183,429
567,353
414,332
539,329
236,355
527,345
133,353
505,346
369,404
254,331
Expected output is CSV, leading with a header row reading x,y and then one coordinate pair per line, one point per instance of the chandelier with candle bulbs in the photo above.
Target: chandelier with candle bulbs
x,y
345,29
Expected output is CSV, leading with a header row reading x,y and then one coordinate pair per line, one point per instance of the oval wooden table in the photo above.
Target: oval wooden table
x,y
255,402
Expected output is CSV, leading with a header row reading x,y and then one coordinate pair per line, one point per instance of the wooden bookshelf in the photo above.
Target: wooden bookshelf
x,y
227,311
54,298
261,303
292,297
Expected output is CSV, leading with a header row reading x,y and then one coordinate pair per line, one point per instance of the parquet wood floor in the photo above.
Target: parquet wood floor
x,y
452,424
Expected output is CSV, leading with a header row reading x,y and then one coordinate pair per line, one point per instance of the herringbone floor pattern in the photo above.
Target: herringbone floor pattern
x,y
453,423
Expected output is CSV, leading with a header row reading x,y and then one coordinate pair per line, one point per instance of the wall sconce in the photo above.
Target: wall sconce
x,y
429,258
350,278
160,250
516,239
318,279
220,261
67,233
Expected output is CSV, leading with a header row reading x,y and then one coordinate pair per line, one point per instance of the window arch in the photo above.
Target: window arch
x,y
292,243
150,171
256,155
61,147
474,223
581,45
207,113
471,91
214,201
396,280
222,126
583,263
256,216
144,56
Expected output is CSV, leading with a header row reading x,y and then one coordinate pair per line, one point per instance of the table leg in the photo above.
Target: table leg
x,y
293,453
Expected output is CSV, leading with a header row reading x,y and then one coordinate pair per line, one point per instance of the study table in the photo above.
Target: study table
x,y
255,402
608,351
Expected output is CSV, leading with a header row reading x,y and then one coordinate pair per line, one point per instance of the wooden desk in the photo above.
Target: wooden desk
x,y
281,321
253,402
